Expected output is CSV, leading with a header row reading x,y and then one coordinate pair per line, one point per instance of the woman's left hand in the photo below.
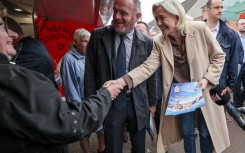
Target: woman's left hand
x,y
202,84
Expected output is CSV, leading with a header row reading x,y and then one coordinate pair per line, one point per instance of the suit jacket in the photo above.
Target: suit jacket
x,y
34,118
100,67
206,60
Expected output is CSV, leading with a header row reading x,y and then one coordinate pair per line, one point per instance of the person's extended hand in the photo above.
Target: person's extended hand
x,y
109,83
202,84
152,110
119,81
114,90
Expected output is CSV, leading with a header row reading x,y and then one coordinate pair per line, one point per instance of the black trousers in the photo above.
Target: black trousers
x,y
238,93
158,115
114,127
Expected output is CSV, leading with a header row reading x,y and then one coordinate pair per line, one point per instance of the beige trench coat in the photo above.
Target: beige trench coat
x,y
206,60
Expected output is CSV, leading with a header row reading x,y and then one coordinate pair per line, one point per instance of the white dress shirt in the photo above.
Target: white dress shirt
x,y
215,30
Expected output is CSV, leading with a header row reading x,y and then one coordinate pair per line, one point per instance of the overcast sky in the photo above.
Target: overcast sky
x,y
146,9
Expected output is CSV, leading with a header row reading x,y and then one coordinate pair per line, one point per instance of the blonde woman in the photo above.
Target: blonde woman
x,y
188,53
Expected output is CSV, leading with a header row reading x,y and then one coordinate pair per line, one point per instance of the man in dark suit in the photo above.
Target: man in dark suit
x,y
113,51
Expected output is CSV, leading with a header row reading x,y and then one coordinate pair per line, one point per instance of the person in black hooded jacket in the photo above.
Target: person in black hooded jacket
x,y
33,117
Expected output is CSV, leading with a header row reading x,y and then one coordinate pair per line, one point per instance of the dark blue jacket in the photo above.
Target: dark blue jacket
x,y
227,39
240,51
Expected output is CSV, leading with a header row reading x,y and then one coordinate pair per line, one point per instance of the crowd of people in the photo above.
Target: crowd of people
x,y
33,116
117,76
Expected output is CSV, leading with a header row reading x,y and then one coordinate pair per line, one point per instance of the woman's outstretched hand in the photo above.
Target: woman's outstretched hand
x,y
119,81
109,83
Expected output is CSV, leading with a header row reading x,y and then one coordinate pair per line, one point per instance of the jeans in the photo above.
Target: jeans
x,y
188,129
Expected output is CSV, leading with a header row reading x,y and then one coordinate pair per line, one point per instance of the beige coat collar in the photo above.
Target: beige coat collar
x,y
190,43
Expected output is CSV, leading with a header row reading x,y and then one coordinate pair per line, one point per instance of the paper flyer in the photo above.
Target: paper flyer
x,y
184,97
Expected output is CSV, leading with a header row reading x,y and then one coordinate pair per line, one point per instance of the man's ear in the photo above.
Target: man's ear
x,y
138,16
207,10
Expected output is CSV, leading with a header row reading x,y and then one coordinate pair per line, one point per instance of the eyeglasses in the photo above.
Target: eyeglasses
x,y
4,24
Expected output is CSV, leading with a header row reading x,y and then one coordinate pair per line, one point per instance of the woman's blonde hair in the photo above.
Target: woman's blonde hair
x,y
174,7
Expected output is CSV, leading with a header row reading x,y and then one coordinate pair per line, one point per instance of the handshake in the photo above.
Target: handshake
x,y
114,87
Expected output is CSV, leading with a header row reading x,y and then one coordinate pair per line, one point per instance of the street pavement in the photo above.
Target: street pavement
x,y
237,138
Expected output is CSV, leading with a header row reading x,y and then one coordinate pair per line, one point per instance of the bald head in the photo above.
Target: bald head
x,y
241,26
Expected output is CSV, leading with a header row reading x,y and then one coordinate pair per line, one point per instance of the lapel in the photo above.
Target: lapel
x,y
167,50
138,39
108,42
221,29
190,42
219,35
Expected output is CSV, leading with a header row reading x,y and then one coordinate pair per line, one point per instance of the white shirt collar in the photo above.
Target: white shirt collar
x,y
216,28
129,35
